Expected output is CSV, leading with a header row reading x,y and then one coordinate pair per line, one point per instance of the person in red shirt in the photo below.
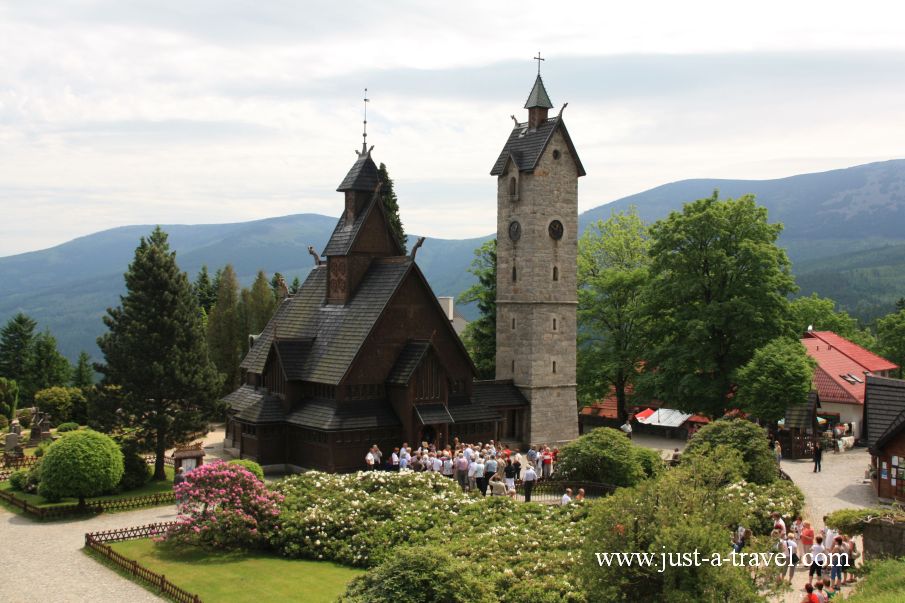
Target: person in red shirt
x,y
547,457
809,596
807,538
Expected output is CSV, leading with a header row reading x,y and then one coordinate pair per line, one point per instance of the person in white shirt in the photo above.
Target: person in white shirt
x,y
447,467
790,550
567,497
778,522
529,481
369,460
472,482
818,559
437,464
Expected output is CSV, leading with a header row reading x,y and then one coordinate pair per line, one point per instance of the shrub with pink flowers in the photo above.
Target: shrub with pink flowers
x,y
224,506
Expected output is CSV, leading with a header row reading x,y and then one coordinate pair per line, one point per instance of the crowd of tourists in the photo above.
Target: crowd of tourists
x,y
827,555
486,468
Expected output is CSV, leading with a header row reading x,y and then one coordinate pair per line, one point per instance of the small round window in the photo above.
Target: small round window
x,y
555,229
556,154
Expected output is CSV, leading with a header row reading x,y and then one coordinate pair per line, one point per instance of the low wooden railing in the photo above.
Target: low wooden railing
x,y
91,507
97,542
550,491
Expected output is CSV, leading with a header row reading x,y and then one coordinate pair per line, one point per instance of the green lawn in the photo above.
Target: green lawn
x,y
883,583
152,487
240,577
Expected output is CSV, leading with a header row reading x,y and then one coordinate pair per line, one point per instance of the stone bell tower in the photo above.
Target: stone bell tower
x,y
537,248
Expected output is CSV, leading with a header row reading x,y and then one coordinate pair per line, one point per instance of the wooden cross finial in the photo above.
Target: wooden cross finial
x,y
538,59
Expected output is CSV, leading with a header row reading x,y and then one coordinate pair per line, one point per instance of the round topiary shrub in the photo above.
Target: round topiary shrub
x,y
604,455
252,466
416,575
136,471
18,478
80,464
744,436
69,426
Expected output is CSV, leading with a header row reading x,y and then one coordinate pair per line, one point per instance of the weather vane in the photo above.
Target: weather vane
x,y
538,59
364,134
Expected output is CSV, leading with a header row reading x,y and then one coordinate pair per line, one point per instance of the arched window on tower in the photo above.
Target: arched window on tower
x,y
513,189
555,273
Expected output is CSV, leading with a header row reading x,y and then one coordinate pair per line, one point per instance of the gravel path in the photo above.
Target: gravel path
x,y
45,562
839,485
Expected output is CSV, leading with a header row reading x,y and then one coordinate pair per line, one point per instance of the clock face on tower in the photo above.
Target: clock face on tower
x,y
555,229
515,231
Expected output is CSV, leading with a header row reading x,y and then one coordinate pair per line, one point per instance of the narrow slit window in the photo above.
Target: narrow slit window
x,y
555,273
513,367
554,324
514,274
554,366
513,323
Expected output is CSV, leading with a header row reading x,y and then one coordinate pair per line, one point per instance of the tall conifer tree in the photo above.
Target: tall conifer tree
x,y
47,367
480,335
224,330
156,351
83,375
391,205
16,347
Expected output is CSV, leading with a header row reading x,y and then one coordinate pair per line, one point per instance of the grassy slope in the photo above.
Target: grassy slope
x,y
152,487
241,576
884,584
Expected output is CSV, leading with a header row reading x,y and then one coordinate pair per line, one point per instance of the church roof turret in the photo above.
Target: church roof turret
x,y
538,98
364,175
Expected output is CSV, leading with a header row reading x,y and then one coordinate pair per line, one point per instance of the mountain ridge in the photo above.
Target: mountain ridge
x,y
67,287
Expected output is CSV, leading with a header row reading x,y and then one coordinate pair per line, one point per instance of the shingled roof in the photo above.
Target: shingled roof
x,y
497,394
408,360
538,96
525,146
466,411
363,176
266,410
802,415
336,332
244,397
884,409
292,354
329,415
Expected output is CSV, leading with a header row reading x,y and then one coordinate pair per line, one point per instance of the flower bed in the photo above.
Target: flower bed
x,y
527,551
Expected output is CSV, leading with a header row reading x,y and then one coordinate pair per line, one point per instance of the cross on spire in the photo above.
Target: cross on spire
x,y
364,134
538,59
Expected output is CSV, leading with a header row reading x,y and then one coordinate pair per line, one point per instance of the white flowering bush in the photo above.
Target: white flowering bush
x,y
356,519
526,552
760,500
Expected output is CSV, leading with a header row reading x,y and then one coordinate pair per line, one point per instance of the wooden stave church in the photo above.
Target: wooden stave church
x,y
362,354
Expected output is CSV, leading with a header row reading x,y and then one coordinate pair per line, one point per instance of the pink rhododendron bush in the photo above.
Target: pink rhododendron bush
x,y
225,506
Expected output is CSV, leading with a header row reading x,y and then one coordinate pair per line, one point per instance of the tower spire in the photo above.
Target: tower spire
x,y
364,134
538,59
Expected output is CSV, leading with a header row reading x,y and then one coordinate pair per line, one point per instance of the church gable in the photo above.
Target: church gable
x,y
412,314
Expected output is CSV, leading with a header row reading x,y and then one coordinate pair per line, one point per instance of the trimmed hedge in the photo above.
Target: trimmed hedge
x,y
80,464
68,426
852,521
251,466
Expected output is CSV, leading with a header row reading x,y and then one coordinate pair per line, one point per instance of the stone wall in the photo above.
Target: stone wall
x,y
544,330
884,539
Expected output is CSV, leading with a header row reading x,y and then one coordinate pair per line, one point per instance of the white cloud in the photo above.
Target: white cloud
x,y
114,113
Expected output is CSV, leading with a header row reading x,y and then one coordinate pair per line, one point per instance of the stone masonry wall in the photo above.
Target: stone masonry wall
x,y
534,300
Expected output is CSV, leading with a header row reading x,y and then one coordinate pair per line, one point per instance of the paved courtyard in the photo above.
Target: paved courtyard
x,y
45,561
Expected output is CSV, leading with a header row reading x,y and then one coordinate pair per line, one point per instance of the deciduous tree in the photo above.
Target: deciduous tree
x,y
779,375
891,337
156,351
718,292
613,272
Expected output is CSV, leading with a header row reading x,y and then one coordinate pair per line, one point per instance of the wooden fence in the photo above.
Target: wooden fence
x,y
92,507
97,542
12,464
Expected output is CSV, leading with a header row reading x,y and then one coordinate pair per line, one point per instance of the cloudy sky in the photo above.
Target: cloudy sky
x,y
115,113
